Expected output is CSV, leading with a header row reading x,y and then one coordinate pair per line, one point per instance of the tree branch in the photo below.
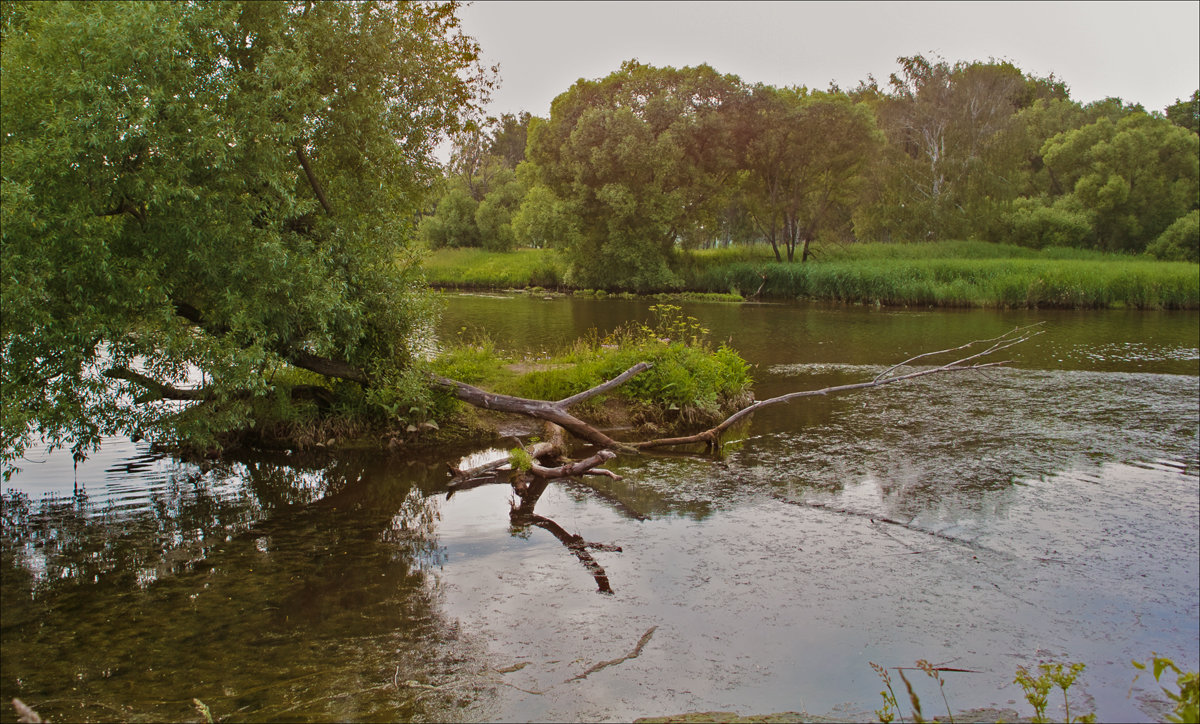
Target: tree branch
x,y
300,358
163,391
549,411
312,178
970,362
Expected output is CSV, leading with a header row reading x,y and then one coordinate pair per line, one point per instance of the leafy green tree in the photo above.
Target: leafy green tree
x,y
1186,113
214,192
493,216
545,221
641,156
804,156
452,223
1133,178
947,125
508,138
482,190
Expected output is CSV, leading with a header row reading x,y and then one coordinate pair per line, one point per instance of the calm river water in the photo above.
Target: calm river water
x,y
1046,511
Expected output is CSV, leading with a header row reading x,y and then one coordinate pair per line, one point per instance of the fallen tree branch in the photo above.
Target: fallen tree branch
x,y
712,436
576,468
547,410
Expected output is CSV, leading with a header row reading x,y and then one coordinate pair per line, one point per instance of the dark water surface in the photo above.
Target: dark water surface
x,y
1050,510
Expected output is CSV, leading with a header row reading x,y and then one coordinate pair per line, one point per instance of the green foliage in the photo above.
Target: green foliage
x,y
477,268
453,223
520,459
690,381
639,159
211,189
1187,696
544,221
1186,113
1033,224
1133,178
494,215
950,132
474,361
1180,241
964,274
803,163
1056,278
1037,690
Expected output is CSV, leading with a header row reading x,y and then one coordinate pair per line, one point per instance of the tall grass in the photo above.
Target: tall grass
x,y
480,269
1013,282
943,274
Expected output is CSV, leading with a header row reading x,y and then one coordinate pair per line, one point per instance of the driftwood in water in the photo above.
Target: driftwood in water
x,y
555,412
531,471
712,436
550,411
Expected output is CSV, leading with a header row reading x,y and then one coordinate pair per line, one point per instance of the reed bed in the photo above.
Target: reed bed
x,y
942,274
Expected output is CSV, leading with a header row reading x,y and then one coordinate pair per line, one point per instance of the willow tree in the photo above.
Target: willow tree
x,y
805,154
638,160
220,193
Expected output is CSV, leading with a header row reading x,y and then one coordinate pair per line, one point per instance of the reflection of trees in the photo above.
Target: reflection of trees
x,y
296,594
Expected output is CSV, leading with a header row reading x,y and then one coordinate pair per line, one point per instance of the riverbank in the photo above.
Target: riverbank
x,y
944,274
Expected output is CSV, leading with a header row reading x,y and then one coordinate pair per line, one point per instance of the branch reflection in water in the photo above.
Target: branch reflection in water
x,y
522,515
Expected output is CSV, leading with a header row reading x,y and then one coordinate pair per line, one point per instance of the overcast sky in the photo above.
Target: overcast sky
x,y
1142,52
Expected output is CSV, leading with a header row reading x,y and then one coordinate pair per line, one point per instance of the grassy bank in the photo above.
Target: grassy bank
x,y
946,274
480,269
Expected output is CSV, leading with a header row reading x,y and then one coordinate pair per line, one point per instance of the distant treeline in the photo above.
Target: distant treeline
x,y
633,168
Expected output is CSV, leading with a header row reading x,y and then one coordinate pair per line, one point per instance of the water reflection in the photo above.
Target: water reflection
x,y
522,516
308,595
1047,510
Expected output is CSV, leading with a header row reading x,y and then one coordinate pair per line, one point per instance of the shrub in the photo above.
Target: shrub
x,y
1037,226
1180,241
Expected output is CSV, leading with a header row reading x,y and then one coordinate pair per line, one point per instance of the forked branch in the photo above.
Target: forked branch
x,y
1014,337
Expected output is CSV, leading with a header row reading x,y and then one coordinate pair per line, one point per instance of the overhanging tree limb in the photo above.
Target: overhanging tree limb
x,y
298,357
312,178
161,391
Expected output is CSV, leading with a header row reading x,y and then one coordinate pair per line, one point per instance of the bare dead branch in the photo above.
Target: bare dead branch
x,y
1008,339
546,410
970,362
573,469
606,386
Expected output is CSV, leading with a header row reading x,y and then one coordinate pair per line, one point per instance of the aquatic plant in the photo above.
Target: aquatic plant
x,y
1187,698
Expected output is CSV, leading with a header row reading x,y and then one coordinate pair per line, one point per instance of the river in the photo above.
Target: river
x,y
1049,510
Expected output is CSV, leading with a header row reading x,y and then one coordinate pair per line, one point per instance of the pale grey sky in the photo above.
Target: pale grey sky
x,y
1142,52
